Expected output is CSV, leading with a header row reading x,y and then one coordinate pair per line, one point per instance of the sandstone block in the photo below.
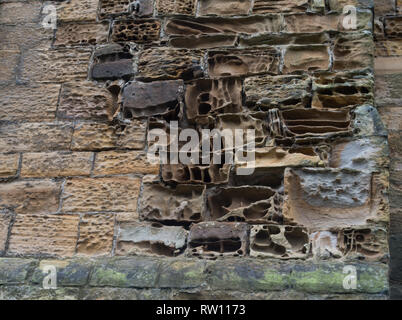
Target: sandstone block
x,y
150,239
35,137
121,162
41,107
77,10
20,12
69,34
151,99
243,62
139,31
5,219
393,26
56,164
353,51
9,165
40,196
8,65
26,36
85,100
277,91
44,234
117,194
226,7
101,136
140,8
96,234
275,6
306,58
388,47
162,203
182,274
168,64
168,7
215,25
55,65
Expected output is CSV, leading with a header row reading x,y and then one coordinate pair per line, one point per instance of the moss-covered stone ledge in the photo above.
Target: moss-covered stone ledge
x,y
155,278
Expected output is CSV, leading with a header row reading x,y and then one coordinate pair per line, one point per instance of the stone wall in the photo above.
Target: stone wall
x,y
77,192
388,75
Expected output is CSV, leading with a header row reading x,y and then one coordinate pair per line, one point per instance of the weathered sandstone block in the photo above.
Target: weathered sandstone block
x,y
203,41
85,100
306,58
111,62
163,203
44,235
151,99
121,162
19,12
275,6
322,198
277,91
139,8
56,164
252,204
243,62
388,48
5,219
150,239
96,234
171,7
35,137
9,165
140,31
393,26
115,194
8,64
77,10
224,7
69,34
353,51
244,25
167,64
27,197
101,136
337,90
218,239
41,107
275,241
55,65
209,97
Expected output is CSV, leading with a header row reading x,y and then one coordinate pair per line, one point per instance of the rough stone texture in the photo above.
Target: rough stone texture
x,y
55,65
115,162
28,197
77,104
96,234
70,34
311,58
150,239
101,136
166,64
9,165
5,219
114,194
84,100
35,136
8,64
56,164
78,10
44,235
41,107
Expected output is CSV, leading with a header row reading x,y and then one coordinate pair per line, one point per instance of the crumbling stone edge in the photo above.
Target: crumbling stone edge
x,y
142,278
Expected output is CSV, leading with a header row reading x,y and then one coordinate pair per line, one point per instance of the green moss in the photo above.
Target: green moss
x,y
110,277
318,281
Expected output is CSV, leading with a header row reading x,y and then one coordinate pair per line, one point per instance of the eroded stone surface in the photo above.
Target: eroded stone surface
x,y
150,239
140,31
303,58
69,34
225,7
44,234
101,194
9,165
163,203
56,164
96,234
5,219
28,197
